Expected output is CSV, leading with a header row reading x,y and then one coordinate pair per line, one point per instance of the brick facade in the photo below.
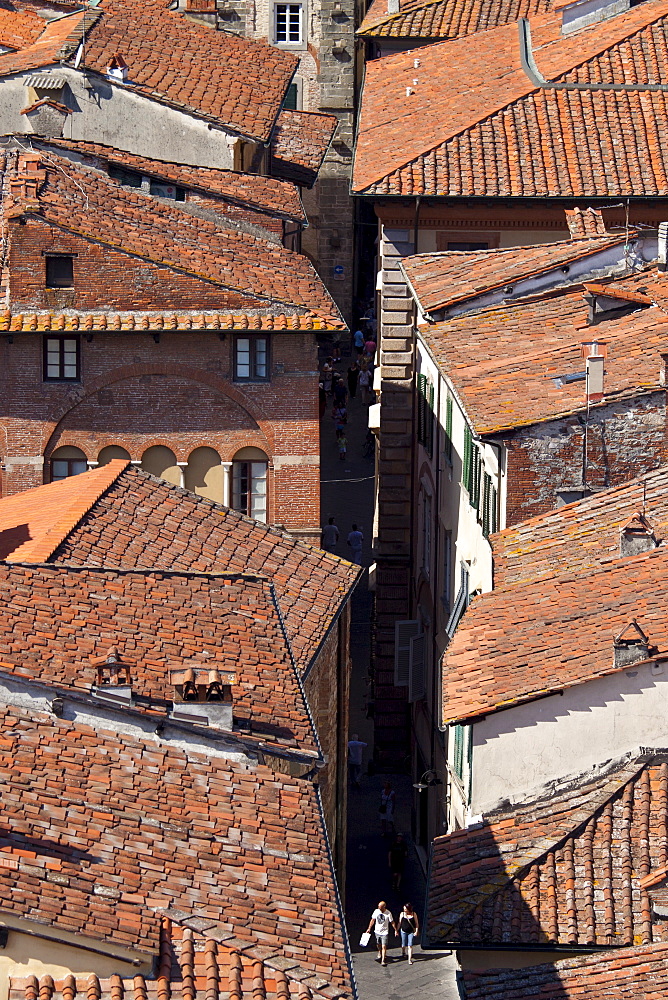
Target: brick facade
x,y
624,439
135,393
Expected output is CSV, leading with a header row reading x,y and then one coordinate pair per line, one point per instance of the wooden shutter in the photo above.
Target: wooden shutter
x,y
448,428
416,676
458,751
403,633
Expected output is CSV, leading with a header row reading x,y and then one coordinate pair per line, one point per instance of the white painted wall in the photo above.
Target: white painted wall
x,y
521,751
116,116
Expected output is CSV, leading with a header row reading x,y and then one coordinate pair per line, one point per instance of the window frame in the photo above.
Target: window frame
x,y
287,42
425,413
253,339
61,377
57,256
248,463
69,461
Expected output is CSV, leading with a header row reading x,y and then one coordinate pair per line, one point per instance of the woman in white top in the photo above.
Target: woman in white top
x,y
381,920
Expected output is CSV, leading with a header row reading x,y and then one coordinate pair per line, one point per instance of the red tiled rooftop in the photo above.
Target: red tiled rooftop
x,y
623,974
474,124
505,361
265,194
57,40
251,273
159,623
564,870
299,144
516,644
104,834
119,516
19,28
579,536
431,19
443,279
30,322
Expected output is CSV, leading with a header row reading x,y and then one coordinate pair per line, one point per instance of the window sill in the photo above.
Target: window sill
x,y
251,381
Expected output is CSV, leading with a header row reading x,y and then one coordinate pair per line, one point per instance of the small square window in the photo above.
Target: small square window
x,y
59,271
62,359
251,359
288,23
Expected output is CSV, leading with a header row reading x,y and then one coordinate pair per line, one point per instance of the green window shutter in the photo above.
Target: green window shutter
x,y
494,526
421,406
486,505
430,422
448,428
458,751
466,464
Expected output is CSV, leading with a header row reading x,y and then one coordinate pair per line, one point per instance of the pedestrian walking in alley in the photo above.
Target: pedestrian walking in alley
x,y
343,447
396,859
364,382
336,347
409,926
358,342
370,349
330,536
327,374
353,376
340,391
355,541
355,757
386,808
381,921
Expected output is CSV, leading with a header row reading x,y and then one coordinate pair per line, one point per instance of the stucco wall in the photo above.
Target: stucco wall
x,y
114,115
521,750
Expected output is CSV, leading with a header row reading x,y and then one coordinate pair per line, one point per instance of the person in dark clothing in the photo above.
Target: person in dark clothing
x,y
322,400
340,392
353,375
396,859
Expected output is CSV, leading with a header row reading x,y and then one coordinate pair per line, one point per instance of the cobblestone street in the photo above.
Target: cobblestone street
x,y
347,495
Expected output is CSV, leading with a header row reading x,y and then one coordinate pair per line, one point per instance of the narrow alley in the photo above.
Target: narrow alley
x,y
347,495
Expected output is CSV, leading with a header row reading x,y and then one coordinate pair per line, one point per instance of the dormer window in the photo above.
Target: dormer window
x,y
129,178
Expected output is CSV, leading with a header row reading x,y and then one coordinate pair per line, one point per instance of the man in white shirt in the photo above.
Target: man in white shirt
x,y
330,536
355,752
355,540
381,920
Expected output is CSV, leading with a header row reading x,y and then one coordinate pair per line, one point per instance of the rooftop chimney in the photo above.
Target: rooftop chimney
x,y
117,69
594,351
631,645
636,536
392,6
113,683
203,696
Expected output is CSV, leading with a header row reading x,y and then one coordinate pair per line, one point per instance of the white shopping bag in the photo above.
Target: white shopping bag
x,y
364,940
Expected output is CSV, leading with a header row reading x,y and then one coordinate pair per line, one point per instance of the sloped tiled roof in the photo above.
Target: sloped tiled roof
x,y
580,536
443,279
158,622
475,125
431,19
299,144
564,870
56,41
104,835
19,28
624,974
34,523
264,194
28,322
583,223
517,644
174,60
249,271
505,361
120,516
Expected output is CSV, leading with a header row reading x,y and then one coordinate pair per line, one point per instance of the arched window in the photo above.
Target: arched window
x,y
249,483
161,462
111,452
67,461
204,474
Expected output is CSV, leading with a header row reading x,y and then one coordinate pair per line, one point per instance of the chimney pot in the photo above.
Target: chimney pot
x,y
663,246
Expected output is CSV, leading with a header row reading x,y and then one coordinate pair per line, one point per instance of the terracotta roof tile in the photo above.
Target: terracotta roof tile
x,y
564,870
444,19
506,361
174,60
514,645
440,280
18,322
122,517
299,144
584,223
158,623
265,194
18,28
56,41
617,975
104,834
580,536
475,125
252,273
34,523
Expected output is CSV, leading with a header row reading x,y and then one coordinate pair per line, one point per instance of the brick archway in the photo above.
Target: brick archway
x,y
197,375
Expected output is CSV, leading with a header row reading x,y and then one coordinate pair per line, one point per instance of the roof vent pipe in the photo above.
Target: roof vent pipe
x,y
663,246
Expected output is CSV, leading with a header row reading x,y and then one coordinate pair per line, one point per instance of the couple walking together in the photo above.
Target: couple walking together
x,y
408,927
